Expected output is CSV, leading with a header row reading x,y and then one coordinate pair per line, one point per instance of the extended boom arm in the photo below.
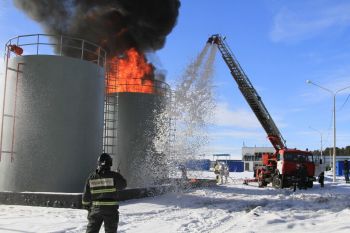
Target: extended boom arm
x,y
249,93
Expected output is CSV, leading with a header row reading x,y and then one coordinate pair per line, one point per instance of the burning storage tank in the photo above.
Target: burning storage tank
x,y
52,127
134,118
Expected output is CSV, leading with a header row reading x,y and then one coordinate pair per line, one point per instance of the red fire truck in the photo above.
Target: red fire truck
x,y
286,167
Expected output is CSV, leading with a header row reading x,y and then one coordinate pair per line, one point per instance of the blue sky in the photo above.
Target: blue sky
x,y
279,44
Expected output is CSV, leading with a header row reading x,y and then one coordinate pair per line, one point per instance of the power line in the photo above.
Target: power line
x,y
344,103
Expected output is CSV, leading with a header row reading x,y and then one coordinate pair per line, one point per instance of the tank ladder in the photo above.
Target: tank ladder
x,y
9,114
110,115
172,124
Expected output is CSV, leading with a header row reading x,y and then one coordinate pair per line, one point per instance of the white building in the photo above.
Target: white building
x,y
251,156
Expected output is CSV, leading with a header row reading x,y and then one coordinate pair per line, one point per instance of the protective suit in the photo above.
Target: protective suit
x,y
100,196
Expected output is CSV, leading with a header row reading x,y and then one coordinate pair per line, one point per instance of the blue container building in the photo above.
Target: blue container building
x,y
198,165
234,165
339,167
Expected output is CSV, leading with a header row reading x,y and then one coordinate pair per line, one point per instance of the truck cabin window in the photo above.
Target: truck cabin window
x,y
296,157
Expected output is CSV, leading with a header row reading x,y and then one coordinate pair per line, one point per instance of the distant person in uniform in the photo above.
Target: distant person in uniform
x,y
346,171
217,171
100,196
183,170
226,173
222,173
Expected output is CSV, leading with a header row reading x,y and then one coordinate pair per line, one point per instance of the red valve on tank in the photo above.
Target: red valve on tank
x,y
16,49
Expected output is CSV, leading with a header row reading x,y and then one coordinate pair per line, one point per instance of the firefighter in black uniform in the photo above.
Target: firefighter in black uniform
x,y
100,196
302,176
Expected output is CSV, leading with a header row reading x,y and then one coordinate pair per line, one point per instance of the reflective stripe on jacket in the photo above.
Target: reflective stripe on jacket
x,y
100,203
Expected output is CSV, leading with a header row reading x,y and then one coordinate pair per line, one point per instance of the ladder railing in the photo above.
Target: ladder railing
x,y
36,44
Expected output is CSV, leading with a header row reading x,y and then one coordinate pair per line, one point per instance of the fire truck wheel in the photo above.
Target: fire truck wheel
x,y
277,181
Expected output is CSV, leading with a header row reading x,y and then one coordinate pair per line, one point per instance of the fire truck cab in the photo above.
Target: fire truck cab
x,y
289,161
282,169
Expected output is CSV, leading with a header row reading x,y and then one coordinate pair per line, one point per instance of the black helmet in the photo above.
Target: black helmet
x,y
104,160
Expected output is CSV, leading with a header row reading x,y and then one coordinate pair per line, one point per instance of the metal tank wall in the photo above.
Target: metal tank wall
x,y
135,155
59,124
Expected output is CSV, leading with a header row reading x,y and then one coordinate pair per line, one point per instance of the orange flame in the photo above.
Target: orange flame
x,y
131,73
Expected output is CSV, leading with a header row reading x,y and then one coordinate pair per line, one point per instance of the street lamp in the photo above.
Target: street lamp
x,y
321,143
334,93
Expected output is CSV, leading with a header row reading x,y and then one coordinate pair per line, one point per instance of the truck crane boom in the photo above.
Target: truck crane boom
x,y
249,93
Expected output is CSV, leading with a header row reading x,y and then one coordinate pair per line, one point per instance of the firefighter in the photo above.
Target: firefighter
x,y
321,179
183,170
217,171
226,172
302,176
222,173
100,196
346,171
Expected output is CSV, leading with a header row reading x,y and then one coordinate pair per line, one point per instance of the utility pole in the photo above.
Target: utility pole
x,y
334,93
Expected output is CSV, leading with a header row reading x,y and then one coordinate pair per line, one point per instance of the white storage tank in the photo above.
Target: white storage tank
x,y
137,121
53,141
137,118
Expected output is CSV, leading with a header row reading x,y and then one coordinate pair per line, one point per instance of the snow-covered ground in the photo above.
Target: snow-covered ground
x,y
231,207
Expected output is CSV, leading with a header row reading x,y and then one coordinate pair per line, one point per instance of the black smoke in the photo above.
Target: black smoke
x,y
116,25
